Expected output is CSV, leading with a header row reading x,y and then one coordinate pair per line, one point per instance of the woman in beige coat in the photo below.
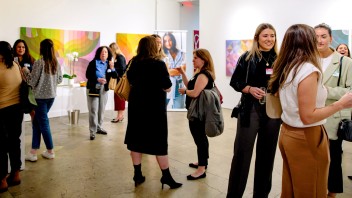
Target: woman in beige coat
x,y
337,83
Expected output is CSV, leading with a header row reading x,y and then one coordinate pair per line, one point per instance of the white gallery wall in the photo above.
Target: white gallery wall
x,y
223,20
105,16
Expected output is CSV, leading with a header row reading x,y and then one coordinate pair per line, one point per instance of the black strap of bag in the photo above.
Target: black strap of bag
x,y
338,81
236,109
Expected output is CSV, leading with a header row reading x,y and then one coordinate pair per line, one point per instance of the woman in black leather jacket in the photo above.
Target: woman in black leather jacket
x,y
253,71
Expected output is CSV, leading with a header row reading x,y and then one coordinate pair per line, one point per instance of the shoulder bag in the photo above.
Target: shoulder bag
x,y
236,110
344,130
273,106
123,87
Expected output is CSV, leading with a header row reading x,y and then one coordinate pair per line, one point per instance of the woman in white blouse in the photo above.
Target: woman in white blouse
x,y
303,142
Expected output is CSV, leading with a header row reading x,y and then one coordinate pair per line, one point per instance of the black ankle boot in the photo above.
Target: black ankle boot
x,y
138,178
14,178
167,179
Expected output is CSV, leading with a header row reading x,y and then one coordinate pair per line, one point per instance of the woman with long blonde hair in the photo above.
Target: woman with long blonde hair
x,y
120,67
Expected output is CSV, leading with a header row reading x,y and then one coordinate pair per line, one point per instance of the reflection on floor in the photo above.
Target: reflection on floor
x,y
103,168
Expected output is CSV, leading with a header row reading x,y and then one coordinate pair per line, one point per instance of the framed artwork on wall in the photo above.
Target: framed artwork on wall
x,y
234,49
83,44
174,47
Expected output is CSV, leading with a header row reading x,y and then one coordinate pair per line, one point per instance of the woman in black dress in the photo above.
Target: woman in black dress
x,y
149,81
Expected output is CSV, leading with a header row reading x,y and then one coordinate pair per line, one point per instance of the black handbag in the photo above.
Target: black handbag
x,y
236,110
344,131
94,92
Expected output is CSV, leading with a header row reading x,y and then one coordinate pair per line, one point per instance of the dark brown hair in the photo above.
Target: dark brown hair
x,y
298,47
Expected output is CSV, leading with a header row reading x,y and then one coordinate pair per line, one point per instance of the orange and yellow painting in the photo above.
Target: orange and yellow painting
x,y
128,43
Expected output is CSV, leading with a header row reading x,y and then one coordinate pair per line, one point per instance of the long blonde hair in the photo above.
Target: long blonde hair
x,y
161,51
115,49
255,47
299,46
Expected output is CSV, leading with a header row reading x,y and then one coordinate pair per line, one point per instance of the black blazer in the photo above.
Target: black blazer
x,y
120,65
238,82
92,78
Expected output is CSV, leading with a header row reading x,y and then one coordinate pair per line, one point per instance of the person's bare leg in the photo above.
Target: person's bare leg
x,y
120,115
136,158
163,161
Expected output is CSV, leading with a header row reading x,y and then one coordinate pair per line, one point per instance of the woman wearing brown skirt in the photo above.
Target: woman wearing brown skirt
x,y
303,142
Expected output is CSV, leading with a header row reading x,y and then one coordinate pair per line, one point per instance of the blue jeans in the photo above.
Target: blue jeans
x,y
41,124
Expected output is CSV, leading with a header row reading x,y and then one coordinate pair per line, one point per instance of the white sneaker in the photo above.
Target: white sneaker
x,y
31,157
48,155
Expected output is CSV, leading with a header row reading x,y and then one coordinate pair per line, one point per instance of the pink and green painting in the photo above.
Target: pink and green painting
x,y
66,42
234,49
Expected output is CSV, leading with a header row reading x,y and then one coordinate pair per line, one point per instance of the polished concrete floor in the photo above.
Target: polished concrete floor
x,y
103,168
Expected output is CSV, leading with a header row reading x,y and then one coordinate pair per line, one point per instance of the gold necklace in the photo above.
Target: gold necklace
x,y
266,60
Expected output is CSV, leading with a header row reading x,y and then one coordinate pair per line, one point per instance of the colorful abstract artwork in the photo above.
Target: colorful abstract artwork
x,y
66,42
234,49
339,36
128,43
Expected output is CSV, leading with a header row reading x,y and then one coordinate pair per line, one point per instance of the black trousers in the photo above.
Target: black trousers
x,y
10,144
266,131
200,138
335,181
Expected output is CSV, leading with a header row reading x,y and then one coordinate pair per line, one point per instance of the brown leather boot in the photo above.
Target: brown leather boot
x,y
14,178
3,185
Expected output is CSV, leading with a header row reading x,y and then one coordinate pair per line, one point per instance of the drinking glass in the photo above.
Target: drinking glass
x,y
263,99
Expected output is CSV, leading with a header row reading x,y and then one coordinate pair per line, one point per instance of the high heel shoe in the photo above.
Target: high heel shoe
x,y
167,179
190,177
117,120
138,180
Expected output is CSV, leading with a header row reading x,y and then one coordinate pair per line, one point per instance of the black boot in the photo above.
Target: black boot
x,y
167,179
138,178
3,185
14,178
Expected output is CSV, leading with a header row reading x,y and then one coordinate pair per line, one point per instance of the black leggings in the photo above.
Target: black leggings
x,y
200,138
335,181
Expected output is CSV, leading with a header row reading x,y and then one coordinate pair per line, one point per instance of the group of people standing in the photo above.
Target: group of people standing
x,y
311,79
43,75
314,94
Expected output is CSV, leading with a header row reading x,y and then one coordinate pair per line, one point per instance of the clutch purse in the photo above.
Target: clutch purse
x,y
273,106
112,83
93,92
